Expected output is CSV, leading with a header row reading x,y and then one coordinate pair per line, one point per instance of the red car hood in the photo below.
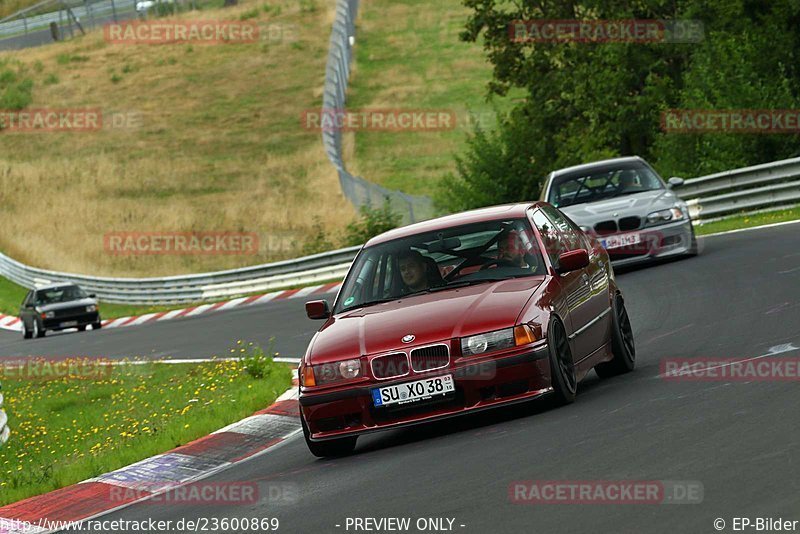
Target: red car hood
x,y
430,318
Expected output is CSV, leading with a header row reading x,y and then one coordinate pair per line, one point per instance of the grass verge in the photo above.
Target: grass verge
x,y
409,56
101,417
751,220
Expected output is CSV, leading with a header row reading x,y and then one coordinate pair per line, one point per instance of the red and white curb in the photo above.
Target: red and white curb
x,y
11,322
154,476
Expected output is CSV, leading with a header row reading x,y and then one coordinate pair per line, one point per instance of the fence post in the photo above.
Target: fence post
x,y
90,12
114,12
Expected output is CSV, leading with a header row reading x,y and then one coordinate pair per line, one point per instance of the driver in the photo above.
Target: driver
x,y
413,271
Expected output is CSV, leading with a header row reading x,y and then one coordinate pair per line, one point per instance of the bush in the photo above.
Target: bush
x,y
16,91
319,240
255,361
373,221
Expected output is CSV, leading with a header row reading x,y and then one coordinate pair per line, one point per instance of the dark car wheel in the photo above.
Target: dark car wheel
x,y
97,326
26,334
562,367
81,328
693,251
330,448
37,329
622,344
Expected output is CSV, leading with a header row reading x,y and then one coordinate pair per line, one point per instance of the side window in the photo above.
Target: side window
x,y
28,299
553,240
570,236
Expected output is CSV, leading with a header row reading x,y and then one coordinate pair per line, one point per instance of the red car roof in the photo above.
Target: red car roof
x,y
506,211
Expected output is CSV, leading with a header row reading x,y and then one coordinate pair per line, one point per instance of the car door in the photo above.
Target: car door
x,y
574,284
595,276
26,309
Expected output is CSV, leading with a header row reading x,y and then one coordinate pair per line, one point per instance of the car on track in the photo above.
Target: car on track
x,y
58,307
459,314
627,206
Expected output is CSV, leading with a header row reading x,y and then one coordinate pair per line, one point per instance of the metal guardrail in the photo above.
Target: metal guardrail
x,y
749,188
357,190
194,287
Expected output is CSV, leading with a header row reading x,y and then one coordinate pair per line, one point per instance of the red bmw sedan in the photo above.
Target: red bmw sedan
x,y
459,314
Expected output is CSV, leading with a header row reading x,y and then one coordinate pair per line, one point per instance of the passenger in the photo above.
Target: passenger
x,y
511,251
413,271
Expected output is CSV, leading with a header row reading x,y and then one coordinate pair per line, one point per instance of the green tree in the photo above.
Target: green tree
x,y
587,101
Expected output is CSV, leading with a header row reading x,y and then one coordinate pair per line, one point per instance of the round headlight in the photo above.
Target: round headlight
x,y
350,368
477,344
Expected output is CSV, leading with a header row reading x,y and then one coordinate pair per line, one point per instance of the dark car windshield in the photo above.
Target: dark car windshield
x,y
59,294
437,261
592,186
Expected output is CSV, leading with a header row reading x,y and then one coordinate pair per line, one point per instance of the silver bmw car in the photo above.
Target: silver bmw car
x,y
625,204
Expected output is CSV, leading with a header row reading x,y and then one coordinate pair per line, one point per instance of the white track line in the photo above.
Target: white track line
x,y
305,292
773,225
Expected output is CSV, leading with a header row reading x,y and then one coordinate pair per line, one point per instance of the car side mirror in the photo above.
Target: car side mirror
x,y
92,296
318,309
675,182
573,261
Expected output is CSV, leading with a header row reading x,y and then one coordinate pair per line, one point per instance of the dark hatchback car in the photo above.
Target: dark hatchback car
x,y
58,307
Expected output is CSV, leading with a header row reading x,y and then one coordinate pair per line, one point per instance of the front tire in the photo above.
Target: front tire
x,y
38,329
562,367
26,334
328,449
622,343
97,326
693,250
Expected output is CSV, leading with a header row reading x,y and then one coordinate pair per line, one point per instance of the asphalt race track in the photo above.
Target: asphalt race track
x,y
740,298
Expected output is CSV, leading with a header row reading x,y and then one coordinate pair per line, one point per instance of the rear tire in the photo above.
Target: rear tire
x,y
622,343
562,366
331,448
97,326
82,328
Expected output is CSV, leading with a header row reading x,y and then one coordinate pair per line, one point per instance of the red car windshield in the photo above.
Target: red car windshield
x,y
440,260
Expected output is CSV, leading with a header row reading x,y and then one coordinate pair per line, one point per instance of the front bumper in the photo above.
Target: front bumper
x,y
657,242
71,321
510,378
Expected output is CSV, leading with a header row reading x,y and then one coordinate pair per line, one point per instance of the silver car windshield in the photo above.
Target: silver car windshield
x,y
601,185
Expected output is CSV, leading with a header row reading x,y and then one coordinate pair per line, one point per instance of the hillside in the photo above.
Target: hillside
x,y
408,55
213,143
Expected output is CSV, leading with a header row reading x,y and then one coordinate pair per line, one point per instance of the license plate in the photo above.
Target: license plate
x,y
616,241
413,391
69,323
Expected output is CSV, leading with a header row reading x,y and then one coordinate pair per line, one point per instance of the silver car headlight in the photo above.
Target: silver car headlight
x,y
665,216
49,315
488,342
91,308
